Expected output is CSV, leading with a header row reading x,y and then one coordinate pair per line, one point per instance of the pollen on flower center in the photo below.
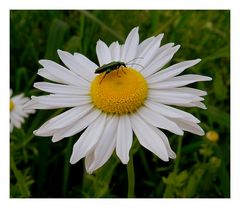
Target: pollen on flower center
x,y
11,105
121,91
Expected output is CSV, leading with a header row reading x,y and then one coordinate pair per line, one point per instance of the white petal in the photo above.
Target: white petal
x,y
17,97
17,120
60,102
148,138
149,51
164,138
156,119
75,66
171,100
124,138
193,104
89,159
106,144
159,62
88,139
130,46
171,71
115,51
61,89
170,111
64,119
163,95
85,62
144,44
190,91
186,90
65,75
103,53
160,53
76,127
179,81
33,104
44,73
189,126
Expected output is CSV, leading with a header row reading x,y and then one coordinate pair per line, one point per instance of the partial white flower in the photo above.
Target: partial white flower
x,y
110,107
17,112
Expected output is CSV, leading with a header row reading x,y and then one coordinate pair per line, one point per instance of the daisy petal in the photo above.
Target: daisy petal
x,y
189,126
163,51
33,104
193,104
172,100
63,74
88,139
17,120
64,119
179,81
89,159
17,97
45,74
103,53
60,102
190,90
106,144
187,90
75,66
60,89
170,111
149,51
124,138
164,138
115,51
143,45
76,127
171,71
156,119
162,94
159,62
148,138
130,46
85,62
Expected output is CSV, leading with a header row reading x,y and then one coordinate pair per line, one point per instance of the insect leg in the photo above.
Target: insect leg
x,y
103,77
117,72
123,70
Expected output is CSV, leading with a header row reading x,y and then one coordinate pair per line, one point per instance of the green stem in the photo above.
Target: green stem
x,y
131,177
179,148
20,178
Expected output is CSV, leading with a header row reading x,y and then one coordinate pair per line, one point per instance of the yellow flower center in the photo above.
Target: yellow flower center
x,y
212,136
119,92
11,105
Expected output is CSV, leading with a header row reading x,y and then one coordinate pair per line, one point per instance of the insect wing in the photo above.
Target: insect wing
x,y
106,67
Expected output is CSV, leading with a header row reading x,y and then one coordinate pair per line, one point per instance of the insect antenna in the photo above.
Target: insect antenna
x,y
134,59
136,64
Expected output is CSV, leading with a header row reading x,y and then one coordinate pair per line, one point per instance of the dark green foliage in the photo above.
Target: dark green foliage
x,y
40,168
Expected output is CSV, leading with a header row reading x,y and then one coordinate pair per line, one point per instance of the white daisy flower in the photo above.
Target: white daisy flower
x,y
17,112
109,107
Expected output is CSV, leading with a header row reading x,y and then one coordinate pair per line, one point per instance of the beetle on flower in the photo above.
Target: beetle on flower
x,y
138,98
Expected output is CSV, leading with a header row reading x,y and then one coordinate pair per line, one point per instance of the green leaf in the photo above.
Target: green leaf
x,y
219,87
56,35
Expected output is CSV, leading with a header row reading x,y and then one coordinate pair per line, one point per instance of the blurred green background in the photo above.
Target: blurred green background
x,y
40,168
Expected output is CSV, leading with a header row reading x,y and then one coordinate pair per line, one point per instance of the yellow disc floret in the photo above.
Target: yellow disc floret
x,y
212,136
11,105
119,92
